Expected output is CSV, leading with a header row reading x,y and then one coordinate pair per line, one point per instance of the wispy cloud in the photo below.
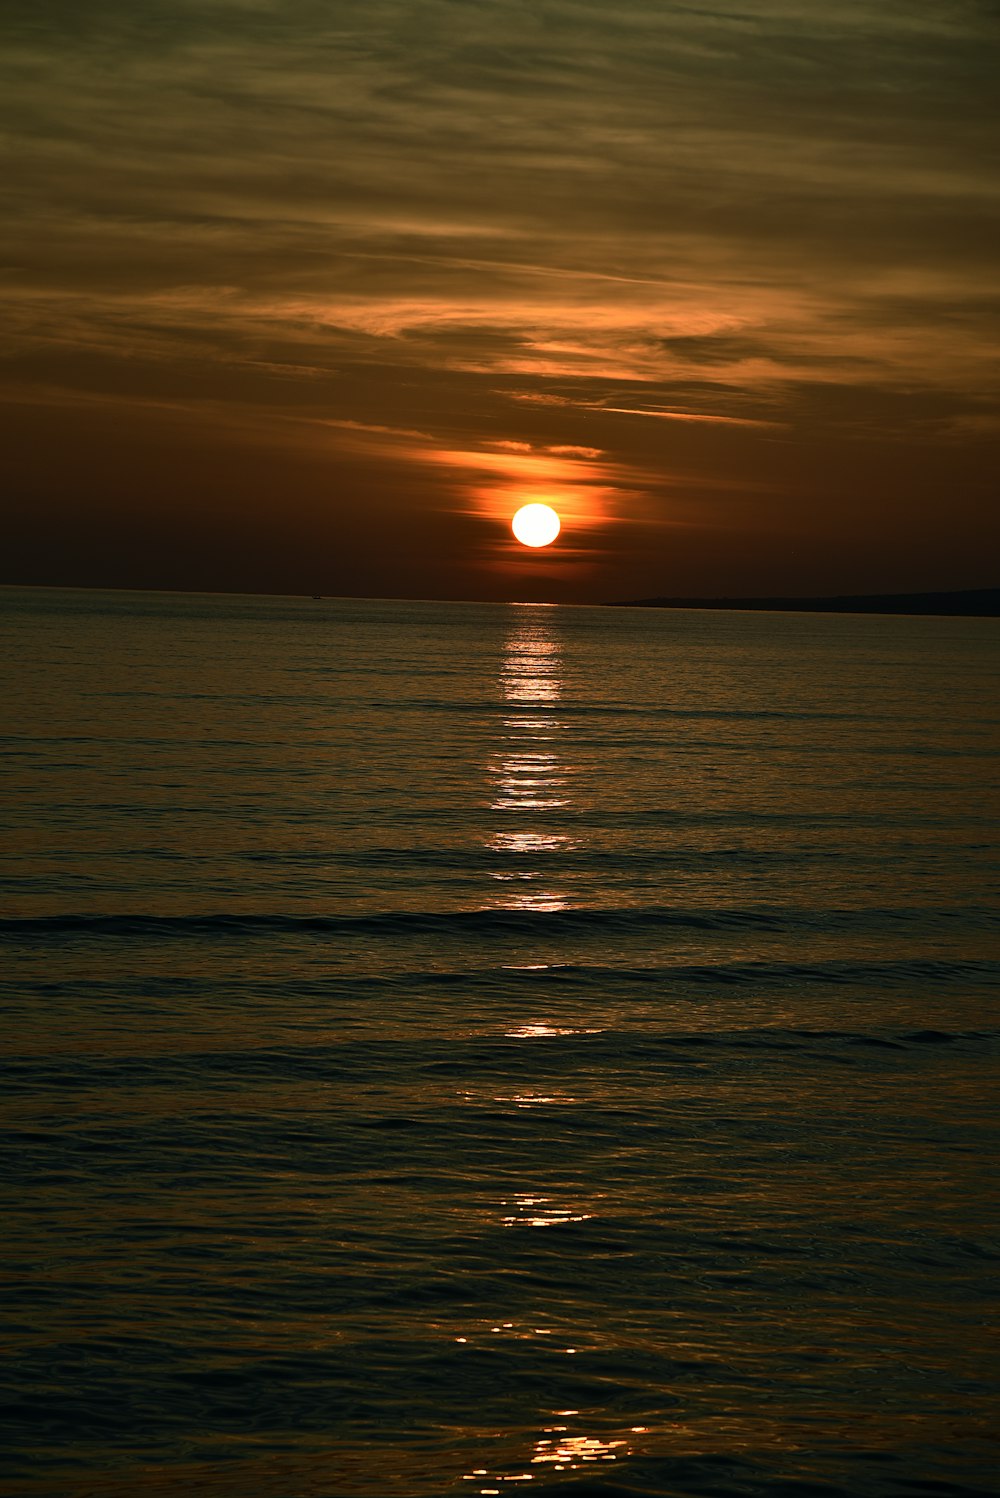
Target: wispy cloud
x,y
738,421
768,228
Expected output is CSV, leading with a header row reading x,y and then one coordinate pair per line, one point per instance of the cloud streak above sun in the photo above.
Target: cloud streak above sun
x,y
737,265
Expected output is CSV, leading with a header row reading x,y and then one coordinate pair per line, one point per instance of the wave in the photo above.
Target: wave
x,y
489,707
890,973
620,1052
502,920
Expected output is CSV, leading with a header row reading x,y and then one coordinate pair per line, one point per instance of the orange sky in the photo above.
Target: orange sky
x,y
310,299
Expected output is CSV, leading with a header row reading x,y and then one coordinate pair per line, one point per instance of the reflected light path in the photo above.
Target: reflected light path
x,y
565,1452
538,1031
540,1211
529,780
528,776
555,1450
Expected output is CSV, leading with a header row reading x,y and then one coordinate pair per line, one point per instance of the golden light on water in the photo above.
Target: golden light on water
x,y
556,1449
529,779
566,1453
536,525
541,1211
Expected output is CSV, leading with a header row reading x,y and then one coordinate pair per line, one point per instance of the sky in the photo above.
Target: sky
x,y
308,296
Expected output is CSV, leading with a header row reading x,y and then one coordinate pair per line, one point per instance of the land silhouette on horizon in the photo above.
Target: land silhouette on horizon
x,y
969,602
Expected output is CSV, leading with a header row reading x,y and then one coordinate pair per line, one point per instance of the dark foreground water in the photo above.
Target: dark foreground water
x,y
470,1050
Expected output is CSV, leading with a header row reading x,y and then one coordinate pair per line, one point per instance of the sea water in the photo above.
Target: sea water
x,y
477,1049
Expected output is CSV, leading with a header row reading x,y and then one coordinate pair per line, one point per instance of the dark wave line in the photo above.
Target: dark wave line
x,y
561,708
461,859
561,819
888,974
645,1051
559,857
501,920
891,973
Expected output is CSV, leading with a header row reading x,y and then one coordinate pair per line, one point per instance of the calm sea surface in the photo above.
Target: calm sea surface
x,y
456,1049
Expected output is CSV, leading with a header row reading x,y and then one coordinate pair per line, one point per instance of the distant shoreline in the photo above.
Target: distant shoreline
x,y
983,603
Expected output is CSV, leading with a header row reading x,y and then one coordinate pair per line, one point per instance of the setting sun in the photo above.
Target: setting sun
x,y
536,525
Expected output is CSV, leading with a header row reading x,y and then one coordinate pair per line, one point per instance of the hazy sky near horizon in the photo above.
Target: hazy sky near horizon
x,y
309,296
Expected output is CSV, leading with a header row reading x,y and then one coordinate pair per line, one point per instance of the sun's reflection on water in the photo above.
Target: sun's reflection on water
x,y
538,1031
555,1450
530,779
565,1453
528,775
528,842
531,671
540,1212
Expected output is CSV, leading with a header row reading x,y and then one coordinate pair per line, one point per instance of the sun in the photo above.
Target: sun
x,y
536,525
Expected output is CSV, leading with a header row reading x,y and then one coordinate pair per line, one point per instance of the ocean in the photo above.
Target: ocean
x,y
479,1049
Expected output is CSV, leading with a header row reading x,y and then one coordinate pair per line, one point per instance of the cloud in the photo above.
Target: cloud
x,y
463,228
740,421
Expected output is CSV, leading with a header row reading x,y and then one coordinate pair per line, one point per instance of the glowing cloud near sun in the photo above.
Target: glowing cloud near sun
x,y
536,525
